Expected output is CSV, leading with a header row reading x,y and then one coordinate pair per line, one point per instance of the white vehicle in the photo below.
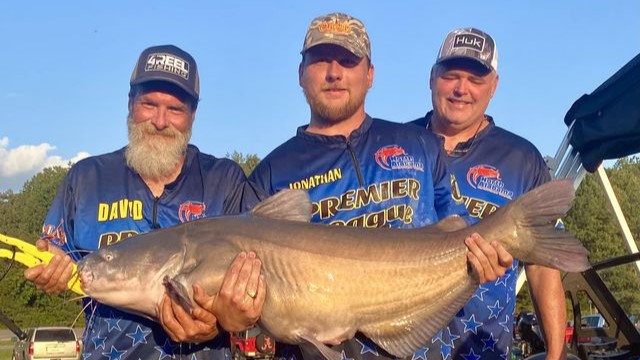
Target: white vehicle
x,y
48,343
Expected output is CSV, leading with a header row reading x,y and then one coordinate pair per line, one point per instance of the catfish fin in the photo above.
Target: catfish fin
x,y
287,204
313,346
422,324
536,213
178,293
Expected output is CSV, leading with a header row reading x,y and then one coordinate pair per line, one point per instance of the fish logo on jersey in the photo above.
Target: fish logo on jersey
x,y
486,177
383,154
54,234
482,171
191,210
394,157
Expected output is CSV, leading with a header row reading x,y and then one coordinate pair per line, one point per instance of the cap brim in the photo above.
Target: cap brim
x,y
470,59
167,80
328,41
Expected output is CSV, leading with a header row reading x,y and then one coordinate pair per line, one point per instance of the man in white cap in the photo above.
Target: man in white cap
x,y
491,167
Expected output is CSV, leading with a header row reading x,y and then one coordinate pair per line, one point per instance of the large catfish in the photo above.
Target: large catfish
x,y
399,287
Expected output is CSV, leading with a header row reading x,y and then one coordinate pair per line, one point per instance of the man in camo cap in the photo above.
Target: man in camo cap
x,y
344,159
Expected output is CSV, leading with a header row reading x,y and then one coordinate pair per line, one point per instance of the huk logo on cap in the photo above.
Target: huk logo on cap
x,y
469,41
168,63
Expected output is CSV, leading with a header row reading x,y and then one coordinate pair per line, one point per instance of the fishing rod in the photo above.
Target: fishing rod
x,y
29,255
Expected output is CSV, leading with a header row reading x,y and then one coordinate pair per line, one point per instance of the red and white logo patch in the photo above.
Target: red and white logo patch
x,y
394,157
487,178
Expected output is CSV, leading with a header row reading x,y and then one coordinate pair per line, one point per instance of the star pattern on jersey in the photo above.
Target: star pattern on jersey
x,y
139,336
514,265
99,342
505,355
420,354
114,354
503,279
495,310
438,337
445,351
452,338
506,324
489,343
113,323
287,354
471,355
166,350
446,339
480,293
471,324
344,356
483,322
368,346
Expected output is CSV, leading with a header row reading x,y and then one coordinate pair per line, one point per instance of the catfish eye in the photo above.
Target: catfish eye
x,y
108,256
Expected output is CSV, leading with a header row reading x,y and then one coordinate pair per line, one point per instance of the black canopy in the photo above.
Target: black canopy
x,y
607,121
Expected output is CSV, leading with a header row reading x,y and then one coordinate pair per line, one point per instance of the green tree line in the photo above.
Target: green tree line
x,y
590,219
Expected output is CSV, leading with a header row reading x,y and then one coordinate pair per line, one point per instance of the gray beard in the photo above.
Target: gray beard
x,y
155,154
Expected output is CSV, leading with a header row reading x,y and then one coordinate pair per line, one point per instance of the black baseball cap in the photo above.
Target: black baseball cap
x,y
168,63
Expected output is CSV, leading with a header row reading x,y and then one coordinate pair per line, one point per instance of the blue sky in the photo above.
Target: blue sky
x,y
65,67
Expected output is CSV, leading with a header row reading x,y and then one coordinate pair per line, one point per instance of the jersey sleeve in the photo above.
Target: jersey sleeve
x,y
541,172
260,179
58,227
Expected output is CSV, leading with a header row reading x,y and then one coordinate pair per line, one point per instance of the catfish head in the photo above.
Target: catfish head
x,y
131,275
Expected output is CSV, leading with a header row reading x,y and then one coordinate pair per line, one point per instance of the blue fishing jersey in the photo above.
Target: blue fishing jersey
x,y
384,174
491,170
102,201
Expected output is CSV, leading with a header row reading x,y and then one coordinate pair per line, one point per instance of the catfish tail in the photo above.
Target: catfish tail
x,y
538,241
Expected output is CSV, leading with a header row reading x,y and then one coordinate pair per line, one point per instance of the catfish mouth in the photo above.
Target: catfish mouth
x,y
85,275
86,278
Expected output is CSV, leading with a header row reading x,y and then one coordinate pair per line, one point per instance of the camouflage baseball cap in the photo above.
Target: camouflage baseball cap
x,y
470,43
338,29
167,63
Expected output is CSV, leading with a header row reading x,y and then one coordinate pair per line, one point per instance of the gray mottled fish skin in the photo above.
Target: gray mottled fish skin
x,y
324,283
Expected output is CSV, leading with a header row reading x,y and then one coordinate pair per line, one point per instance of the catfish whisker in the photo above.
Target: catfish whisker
x,y
79,297
82,310
74,275
78,251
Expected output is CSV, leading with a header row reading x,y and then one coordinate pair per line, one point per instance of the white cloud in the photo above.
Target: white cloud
x,y
20,164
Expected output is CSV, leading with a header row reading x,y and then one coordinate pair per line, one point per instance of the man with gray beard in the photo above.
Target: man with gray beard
x,y
156,181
